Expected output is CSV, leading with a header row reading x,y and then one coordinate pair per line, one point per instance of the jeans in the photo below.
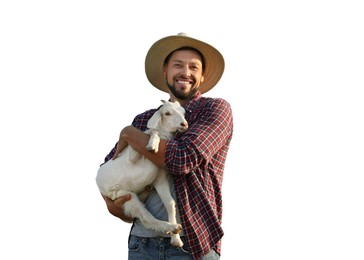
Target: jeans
x,y
159,248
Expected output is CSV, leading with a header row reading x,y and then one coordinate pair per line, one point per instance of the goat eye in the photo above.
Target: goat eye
x,y
167,113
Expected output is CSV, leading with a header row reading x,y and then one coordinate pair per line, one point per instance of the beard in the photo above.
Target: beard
x,y
183,96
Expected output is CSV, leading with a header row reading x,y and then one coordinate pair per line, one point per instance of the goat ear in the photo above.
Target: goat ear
x,y
154,120
163,101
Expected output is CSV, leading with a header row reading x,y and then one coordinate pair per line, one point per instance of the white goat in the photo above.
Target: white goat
x,y
130,173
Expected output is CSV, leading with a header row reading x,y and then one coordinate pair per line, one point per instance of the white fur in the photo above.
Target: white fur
x,y
131,172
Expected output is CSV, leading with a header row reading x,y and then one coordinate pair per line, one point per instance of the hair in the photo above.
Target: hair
x,y
189,49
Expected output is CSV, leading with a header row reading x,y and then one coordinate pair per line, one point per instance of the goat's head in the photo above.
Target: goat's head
x,y
169,118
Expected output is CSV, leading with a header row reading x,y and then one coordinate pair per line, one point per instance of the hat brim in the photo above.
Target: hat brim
x,y
154,61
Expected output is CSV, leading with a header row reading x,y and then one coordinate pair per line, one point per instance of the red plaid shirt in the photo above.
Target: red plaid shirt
x,y
196,161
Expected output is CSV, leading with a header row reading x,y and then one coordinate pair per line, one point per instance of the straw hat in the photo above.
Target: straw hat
x,y
154,61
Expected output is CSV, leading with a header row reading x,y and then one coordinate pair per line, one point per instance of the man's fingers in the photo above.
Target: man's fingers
x,y
119,148
120,201
117,152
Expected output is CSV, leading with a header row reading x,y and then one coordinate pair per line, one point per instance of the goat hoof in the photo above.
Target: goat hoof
x,y
176,231
152,150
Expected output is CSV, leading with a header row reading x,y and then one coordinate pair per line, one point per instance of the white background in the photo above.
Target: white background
x,y
72,75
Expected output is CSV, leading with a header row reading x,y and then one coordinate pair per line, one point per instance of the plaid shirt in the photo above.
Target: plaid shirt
x,y
196,161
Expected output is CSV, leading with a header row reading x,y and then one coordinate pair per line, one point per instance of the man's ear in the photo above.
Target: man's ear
x,y
165,72
202,78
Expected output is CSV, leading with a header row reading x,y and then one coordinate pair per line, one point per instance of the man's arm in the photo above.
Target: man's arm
x,y
139,140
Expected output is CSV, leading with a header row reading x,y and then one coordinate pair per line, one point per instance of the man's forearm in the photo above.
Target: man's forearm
x,y
139,140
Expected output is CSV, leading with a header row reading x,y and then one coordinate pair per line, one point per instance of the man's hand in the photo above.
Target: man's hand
x,y
116,209
121,145
139,141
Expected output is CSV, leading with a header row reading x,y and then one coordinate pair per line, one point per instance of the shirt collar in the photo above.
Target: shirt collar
x,y
189,107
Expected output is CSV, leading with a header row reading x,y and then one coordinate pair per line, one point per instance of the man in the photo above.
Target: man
x,y
185,68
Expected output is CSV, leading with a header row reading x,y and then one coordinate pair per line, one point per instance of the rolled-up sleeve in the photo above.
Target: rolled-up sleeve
x,y
210,129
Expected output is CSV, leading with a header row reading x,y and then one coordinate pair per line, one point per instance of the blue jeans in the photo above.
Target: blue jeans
x,y
152,248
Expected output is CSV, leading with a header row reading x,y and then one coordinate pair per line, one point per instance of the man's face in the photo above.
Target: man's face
x,y
184,74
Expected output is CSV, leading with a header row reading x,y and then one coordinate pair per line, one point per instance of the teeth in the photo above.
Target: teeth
x,y
183,81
